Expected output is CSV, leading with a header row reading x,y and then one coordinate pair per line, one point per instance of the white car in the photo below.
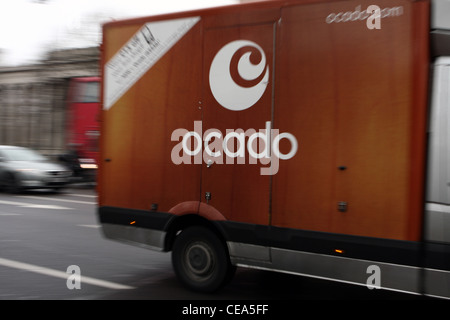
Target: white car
x,y
22,168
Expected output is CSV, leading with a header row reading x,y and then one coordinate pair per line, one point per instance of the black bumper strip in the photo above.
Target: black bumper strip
x,y
138,218
411,253
416,254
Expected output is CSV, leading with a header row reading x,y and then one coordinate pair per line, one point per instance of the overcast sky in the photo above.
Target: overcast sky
x,y
29,28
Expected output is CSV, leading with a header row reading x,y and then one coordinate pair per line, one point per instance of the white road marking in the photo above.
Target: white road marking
x,y
60,274
437,207
11,214
57,199
13,203
89,225
32,205
82,195
45,206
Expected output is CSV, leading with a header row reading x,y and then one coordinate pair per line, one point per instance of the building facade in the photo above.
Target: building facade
x,y
33,108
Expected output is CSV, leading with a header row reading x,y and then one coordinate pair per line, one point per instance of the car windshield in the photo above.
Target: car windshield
x,y
22,155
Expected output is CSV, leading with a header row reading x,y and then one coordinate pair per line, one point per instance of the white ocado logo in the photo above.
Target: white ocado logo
x,y
238,78
239,96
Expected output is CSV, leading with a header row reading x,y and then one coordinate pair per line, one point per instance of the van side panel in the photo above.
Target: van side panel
x,y
137,170
237,188
353,105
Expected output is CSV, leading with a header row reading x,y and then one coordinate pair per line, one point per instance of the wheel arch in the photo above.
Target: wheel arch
x,y
179,223
193,213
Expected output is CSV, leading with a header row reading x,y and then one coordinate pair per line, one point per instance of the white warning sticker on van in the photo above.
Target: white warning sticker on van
x,y
140,53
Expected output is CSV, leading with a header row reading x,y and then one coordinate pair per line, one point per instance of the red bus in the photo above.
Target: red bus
x,y
83,126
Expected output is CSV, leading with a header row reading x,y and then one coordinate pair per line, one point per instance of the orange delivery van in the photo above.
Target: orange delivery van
x,y
281,135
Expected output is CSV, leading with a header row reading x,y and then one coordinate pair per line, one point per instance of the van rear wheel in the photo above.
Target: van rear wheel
x,y
200,260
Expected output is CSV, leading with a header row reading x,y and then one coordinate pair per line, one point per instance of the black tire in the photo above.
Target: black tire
x,y
200,260
12,184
